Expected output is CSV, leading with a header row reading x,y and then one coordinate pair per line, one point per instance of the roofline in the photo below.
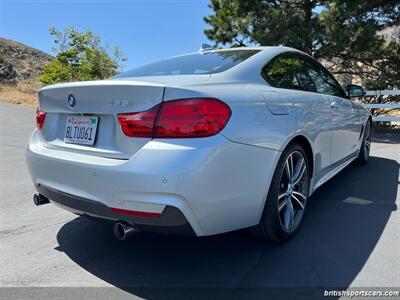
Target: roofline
x,y
258,48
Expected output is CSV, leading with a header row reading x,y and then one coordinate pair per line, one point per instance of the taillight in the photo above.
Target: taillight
x,y
191,118
184,118
140,124
40,117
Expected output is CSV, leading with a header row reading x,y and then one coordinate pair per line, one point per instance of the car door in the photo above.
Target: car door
x,y
345,122
345,131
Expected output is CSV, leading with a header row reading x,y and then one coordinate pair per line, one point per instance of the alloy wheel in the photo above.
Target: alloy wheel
x,y
367,141
293,190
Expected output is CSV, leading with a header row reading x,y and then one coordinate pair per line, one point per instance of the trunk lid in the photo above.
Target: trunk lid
x,y
102,99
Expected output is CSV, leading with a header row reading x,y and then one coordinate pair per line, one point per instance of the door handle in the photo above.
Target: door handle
x,y
334,105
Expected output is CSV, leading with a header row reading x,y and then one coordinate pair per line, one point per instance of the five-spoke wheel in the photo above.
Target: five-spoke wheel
x,y
292,196
287,196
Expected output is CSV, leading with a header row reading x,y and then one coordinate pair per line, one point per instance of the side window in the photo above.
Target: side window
x,y
324,82
293,71
289,72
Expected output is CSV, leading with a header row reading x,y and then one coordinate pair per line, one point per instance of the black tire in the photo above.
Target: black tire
x,y
365,148
271,225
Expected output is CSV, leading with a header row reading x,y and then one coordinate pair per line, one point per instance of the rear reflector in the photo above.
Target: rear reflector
x,y
40,117
183,118
136,213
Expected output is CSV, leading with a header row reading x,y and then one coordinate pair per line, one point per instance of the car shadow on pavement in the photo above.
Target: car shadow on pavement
x,y
343,224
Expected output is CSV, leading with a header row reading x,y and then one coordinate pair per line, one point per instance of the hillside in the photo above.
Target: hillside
x,y
20,69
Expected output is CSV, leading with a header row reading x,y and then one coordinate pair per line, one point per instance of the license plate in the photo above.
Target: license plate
x,y
80,130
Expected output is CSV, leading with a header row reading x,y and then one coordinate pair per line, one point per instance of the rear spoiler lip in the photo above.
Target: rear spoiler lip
x,y
98,83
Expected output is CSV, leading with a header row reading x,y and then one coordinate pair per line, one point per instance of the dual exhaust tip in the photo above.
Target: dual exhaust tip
x,y
121,230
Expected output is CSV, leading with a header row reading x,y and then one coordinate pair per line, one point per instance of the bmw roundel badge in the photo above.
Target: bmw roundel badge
x,y
71,100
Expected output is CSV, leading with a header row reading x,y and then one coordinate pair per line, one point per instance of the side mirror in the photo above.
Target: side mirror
x,y
354,90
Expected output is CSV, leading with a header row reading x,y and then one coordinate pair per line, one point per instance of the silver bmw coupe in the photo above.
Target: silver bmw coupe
x,y
199,144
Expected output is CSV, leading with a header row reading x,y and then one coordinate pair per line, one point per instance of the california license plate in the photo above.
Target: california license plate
x,y
80,130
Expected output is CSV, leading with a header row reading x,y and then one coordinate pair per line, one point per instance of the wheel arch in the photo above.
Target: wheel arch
x,y
306,145
303,142
369,119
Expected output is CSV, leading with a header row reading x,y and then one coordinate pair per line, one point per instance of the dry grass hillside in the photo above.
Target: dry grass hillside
x,y
20,69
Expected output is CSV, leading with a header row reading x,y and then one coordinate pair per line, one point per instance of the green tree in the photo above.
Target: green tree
x,y
80,56
343,34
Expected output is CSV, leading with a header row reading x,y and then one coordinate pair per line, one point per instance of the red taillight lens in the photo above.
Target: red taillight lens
x,y
40,117
191,118
139,124
184,118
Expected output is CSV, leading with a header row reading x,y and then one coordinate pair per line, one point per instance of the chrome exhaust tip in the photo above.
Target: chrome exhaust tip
x,y
123,230
40,199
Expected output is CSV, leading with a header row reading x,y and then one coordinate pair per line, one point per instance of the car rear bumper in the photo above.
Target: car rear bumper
x,y
206,186
170,220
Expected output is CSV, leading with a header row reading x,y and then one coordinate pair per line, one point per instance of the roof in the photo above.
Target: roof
x,y
261,48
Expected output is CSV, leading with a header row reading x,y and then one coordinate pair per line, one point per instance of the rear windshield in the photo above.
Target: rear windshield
x,y
191,64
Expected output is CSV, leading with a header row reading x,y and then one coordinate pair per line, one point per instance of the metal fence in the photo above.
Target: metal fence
x,y
383,105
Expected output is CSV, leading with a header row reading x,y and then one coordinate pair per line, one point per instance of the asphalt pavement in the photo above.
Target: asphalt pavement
x,y
350,238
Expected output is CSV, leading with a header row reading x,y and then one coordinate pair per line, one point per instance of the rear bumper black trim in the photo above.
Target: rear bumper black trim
x,y
171,220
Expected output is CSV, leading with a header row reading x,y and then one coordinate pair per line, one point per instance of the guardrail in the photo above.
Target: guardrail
x,y
383,105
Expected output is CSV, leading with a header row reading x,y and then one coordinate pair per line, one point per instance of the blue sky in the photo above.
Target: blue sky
x,y
145,30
